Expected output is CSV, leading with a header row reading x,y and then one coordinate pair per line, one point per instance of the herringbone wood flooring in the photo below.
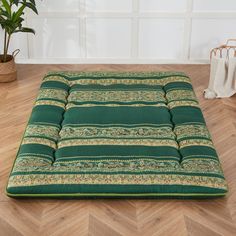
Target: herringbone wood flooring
x,y
115,217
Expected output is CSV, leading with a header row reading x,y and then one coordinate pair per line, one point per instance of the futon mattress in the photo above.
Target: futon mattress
x,y
112,134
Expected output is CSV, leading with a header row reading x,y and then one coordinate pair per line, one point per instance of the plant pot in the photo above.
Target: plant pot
x,y
7,69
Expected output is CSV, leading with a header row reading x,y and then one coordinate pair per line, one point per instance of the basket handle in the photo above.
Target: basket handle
x,y
230,40
15,53
228,44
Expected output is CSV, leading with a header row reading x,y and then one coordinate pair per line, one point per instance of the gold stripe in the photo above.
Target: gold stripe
x,y
137,159
42,130
195,142
50,103
111,81
71,105
54,93
42,141
118,132
178,94
182,103
116,179
183,131
144,142
56,78
117,96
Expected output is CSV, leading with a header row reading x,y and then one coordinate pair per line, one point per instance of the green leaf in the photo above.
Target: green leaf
x,y
25,30
18,13
31,6
33,2
4,13
16,2
6,6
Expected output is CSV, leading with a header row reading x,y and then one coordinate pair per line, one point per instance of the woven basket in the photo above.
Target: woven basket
x,y
8,69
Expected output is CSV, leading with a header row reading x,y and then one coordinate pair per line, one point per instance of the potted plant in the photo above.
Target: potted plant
x,y
11,21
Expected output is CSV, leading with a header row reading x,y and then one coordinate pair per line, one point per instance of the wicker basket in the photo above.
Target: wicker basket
x,y
222,81
8,69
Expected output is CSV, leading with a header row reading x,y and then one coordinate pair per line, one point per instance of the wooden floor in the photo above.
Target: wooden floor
x,y
115,217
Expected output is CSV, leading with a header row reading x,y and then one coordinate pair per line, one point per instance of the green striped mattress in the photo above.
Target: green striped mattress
x,y
112,134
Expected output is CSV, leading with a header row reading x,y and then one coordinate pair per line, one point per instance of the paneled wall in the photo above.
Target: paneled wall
x,y
126,31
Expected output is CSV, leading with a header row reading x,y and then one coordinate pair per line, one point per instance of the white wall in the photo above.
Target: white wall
x,y
126,31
